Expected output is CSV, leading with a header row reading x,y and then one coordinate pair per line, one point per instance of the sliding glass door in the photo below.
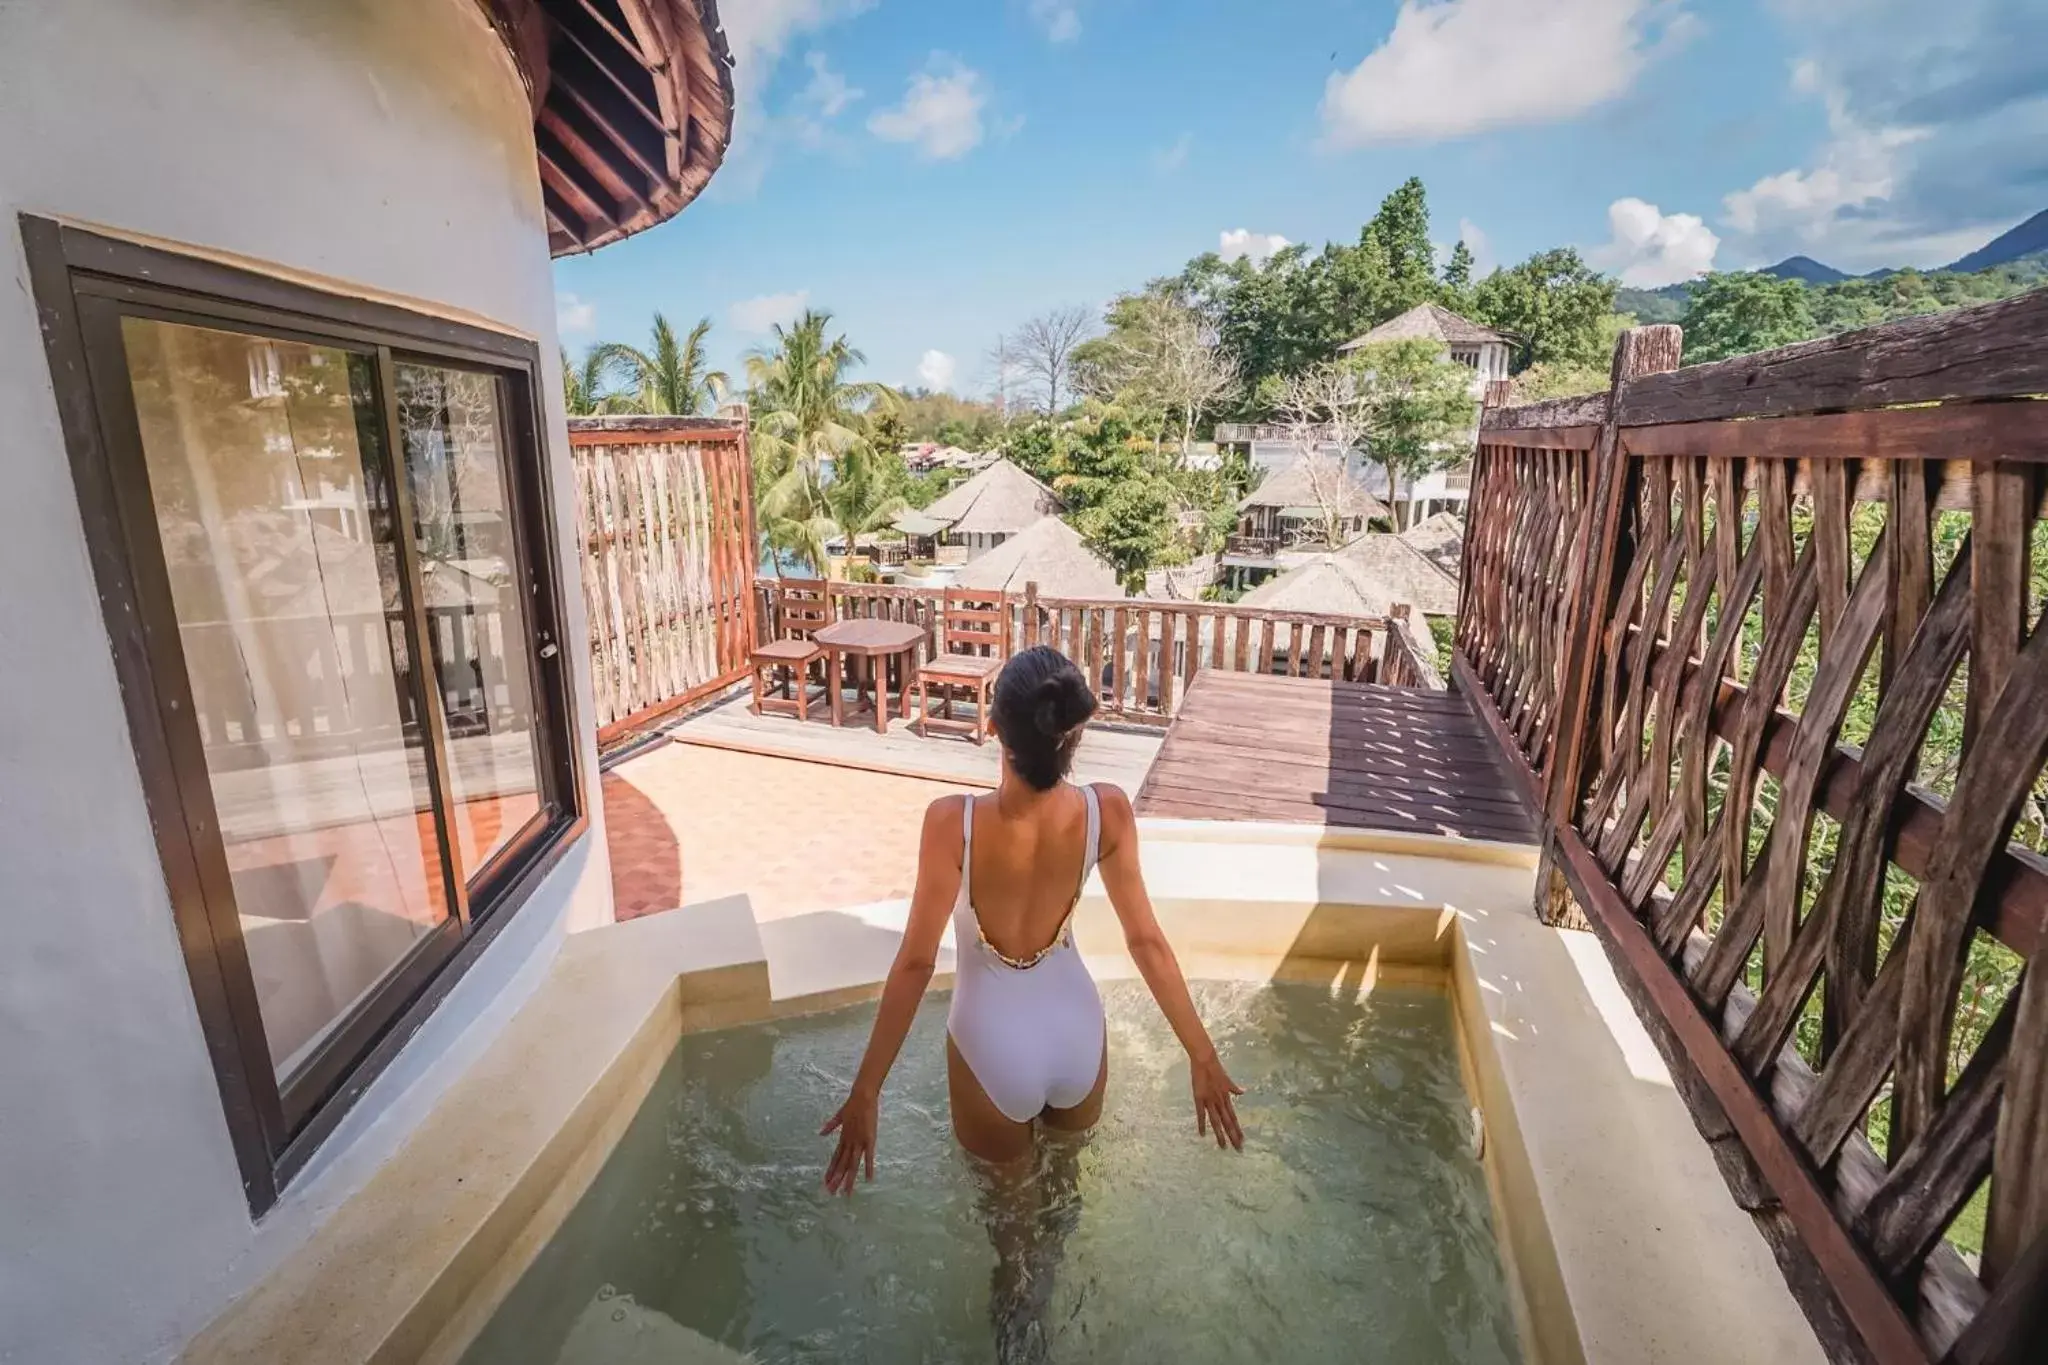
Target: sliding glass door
x,y
336,626
272,498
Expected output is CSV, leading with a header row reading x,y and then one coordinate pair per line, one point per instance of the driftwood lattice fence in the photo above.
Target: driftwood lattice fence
x,y
664,512
1765,637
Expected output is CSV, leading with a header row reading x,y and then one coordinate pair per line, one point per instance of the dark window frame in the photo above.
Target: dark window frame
x,y
83,282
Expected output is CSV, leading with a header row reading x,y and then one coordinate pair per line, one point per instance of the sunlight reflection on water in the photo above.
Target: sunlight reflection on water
x,y
1354,1226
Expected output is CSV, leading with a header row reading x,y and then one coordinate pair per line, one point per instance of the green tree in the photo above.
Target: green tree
x,y
584,392
1458,270
1739,312
1554,302
949,420
805,413
1400,232
1034,447
1135,526
1418,407
1160,362
1854,303
1095,453
1568,379
888,432
867,489
670,376
1456,293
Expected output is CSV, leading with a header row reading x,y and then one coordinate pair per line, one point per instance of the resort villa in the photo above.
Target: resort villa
x,y
422,944
984,511
1479,348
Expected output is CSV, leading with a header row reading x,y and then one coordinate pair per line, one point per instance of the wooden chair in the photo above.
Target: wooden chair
x,y
802,607
974,642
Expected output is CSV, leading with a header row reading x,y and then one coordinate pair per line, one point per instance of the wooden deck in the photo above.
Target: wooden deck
x,y
1119,756
1346,755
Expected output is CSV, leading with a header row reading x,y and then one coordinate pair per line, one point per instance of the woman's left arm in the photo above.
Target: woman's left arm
x,y
1124,880
938,884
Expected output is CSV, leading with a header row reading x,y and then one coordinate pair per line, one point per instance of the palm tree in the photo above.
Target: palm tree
x,y
805,413
863,497
583,386
670,375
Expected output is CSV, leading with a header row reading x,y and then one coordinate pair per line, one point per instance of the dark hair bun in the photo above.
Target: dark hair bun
x,y
1063,702
1041,703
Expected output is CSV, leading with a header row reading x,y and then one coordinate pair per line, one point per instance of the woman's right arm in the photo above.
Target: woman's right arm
x,y
938,884
1124,880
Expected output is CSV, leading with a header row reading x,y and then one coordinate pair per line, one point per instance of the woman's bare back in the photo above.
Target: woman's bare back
x,y
1026,871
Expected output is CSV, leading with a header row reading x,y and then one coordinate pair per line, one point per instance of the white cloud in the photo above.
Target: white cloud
x,y
936,369
757,315
940,113
1170,159
1968,86
1857,167
828,93
1478,244
1649,248
1455,67
1060,20
1255,246
758,33
573,314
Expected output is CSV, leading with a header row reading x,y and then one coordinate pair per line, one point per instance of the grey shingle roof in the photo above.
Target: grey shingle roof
x,y
1430,322
1000,500
1049,553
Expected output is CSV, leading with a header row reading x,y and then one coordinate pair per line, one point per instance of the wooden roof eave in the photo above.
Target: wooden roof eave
x,y
593,83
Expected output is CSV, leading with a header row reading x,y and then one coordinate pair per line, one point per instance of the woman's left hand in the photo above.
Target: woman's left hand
x,y
1214,1113
855,1123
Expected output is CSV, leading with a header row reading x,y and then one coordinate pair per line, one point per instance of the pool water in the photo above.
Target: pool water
x,y
1355,1225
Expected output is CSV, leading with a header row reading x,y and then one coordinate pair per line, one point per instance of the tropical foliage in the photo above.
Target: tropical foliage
x,y
1734,314
670,376
1417,403
585,392
1737,313
816,474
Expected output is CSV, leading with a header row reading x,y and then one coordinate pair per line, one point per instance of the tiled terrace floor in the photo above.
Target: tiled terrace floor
x,y
688,823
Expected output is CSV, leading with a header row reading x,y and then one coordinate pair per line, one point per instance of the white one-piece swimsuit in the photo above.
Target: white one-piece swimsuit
x,y
1031,1034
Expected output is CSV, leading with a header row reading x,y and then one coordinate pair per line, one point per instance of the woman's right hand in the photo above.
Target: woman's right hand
x,y
855,1123
1214,1113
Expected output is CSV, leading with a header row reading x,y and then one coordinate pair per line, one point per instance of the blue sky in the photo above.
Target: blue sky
x,y
936,171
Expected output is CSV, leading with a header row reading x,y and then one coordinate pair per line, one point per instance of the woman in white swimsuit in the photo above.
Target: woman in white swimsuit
x,y
1025,1042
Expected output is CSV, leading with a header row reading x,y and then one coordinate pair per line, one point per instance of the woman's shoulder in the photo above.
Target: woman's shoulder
x,y
1115,805
943,817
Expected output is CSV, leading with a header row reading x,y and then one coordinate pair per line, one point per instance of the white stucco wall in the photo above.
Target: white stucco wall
x,y
381,143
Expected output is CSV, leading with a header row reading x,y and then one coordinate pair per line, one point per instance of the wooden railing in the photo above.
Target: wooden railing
x,y
1762,639
1408,661
326,677
1258,547
664,513
1143,653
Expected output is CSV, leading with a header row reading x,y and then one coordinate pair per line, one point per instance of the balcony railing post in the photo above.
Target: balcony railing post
x,y
1599,561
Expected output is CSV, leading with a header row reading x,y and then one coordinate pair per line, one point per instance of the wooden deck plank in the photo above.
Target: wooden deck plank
x,y
1121,757
1345,755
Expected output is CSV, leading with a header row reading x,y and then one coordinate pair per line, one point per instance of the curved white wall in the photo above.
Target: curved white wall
x,y
385,144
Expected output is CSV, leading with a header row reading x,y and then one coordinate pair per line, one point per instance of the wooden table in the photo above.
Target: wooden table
x,y
876,642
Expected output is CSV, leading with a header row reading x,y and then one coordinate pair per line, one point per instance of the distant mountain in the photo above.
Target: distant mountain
x,y
1806,270
2029,238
